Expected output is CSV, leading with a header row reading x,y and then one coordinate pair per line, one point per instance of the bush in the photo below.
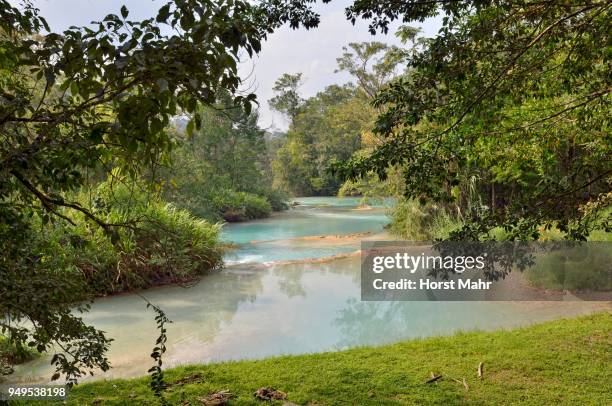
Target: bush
x,y
414,221
582,268
162,245
158,243
277,198
222,203
43,293
195,196
240,206
13,353
61,266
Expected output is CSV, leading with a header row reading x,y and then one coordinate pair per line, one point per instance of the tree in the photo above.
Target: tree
x,y
89,100
527,80
490,61
372,72
287,100
328,127
228,154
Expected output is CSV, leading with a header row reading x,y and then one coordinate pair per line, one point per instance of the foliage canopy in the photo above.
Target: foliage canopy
x,y
511,99
91,102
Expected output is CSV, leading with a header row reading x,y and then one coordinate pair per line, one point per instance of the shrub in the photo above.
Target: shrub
x,y
582,268
221,203
255,206
417,222
38,273
155,243
195,196
277,198
240,206
60,265
13,353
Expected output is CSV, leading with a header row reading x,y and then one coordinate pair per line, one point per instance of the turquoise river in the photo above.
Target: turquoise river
x,y
291,286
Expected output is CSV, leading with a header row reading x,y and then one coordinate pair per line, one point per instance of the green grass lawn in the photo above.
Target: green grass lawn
x,y
560,362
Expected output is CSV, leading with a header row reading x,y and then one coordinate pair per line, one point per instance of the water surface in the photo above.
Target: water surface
x,y
271,301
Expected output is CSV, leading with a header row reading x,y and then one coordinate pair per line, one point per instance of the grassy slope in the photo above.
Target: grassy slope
x,y
565,361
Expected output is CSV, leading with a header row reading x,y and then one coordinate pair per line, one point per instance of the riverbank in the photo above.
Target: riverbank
x,y
564,361
12,354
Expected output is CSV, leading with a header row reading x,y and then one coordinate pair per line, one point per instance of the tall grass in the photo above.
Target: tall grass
x,y
153,243
417,222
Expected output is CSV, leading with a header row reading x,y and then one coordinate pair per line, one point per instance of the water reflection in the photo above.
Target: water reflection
x,y
259,310
255,311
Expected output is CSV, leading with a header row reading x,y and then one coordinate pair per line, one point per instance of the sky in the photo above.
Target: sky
x,y
311,52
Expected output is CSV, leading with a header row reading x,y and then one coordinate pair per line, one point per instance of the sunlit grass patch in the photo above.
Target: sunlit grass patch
x,y
564,361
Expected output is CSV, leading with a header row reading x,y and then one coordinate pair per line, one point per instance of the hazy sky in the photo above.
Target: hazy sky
x,y
312,52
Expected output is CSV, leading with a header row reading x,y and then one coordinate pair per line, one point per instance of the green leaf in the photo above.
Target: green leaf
x,y
50,77
190,127
163,13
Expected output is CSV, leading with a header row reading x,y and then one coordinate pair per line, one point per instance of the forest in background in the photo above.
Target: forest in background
x,y
334,125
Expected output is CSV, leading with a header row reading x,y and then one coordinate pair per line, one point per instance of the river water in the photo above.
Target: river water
x,y
291,286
